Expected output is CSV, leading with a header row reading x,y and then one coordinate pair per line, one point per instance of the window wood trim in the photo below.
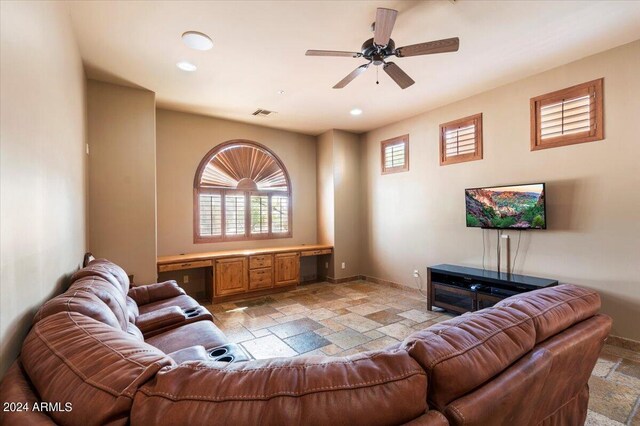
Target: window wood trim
x,y
393,141
594,89
475,119
197,190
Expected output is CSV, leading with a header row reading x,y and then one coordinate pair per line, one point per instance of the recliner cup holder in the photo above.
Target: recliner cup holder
x,y
192,314
230,352
191,311
218,352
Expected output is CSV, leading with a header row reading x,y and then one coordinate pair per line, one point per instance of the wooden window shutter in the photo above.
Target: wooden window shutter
x,y
210,208
259,214
395,155
279,214
234,211
461,140
568,116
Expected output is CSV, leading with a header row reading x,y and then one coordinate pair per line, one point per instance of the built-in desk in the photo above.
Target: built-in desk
x,y
235,274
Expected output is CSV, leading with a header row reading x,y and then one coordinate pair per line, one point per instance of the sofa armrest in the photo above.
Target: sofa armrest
x,y
192,353
160,318
153,292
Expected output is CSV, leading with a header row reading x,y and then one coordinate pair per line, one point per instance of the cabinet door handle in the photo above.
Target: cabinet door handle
x,y
185,264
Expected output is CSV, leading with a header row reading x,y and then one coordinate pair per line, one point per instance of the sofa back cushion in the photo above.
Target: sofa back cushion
x,y
82,302
69,357
373,388
555,309
463,353
107,293
107,270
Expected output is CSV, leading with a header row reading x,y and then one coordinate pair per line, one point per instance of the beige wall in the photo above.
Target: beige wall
x,y
417,218
339,201
43,164
184,139
346,179
122,199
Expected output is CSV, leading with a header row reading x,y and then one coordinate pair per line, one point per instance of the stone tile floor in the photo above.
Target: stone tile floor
x,y
343,319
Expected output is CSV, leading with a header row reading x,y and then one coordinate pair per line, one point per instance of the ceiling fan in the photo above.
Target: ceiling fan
x,y
381,46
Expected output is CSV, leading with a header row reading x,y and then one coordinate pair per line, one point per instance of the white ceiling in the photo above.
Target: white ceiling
x,y
259,49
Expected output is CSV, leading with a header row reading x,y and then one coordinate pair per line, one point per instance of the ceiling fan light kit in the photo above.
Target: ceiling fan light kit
x,y
377,49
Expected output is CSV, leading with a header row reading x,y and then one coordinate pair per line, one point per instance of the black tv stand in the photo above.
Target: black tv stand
x,y
460,289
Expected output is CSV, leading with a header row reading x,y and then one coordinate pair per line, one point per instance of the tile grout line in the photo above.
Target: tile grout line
x,y
633,412
613,369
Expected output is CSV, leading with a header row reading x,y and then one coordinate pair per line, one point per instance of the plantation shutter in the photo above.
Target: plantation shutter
x,y
259,214
210,215
461,140
234,210
566,117
395,155
279,214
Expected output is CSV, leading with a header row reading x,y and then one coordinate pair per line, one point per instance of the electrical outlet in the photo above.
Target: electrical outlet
x,y
344,265
185,279
416,274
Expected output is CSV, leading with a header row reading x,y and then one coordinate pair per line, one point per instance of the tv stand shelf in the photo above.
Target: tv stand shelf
x,y
460,289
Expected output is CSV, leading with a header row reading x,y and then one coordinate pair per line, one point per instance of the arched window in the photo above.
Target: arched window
x,y
241,191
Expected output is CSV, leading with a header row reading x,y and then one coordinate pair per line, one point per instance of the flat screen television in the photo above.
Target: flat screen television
x,y
507,207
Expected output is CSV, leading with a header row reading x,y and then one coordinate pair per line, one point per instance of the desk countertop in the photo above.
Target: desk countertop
x,y
190,257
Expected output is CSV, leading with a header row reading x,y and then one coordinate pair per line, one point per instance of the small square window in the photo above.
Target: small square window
x,y
395,155
461,140
568,116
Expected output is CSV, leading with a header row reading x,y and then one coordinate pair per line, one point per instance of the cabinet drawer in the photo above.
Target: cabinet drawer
x,y
261,261
315,252
185,265
260,278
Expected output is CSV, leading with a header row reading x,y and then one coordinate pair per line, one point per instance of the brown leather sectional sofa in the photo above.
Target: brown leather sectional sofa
x,y
141,356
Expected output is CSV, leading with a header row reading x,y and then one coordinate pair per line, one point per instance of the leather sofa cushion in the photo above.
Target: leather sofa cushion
x,y
375,388
463,353
80,301
182,301
499,401
193,353
118,273
145,294
160,318
106,292
72,358
135,331
555,309
15,387
133,310
575,353
204,333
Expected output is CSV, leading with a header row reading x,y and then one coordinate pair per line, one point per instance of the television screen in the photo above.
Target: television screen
x,y
507,207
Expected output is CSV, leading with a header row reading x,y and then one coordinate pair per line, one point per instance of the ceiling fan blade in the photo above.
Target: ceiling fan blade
x,y
333,53
399,76
353,74
438,46
385,19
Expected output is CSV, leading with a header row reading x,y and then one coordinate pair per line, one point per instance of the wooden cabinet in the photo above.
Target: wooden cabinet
x,y
261,261
231,276
287,269
260,278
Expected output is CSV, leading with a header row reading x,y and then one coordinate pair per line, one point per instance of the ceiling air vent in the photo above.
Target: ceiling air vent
x,y
263,112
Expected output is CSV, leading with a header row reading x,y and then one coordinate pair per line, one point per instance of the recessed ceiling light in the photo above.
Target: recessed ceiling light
x,y
197,40
356,111
186,66
281,92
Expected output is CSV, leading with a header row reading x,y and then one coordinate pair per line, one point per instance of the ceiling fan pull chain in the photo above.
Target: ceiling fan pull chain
x,y
377,69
